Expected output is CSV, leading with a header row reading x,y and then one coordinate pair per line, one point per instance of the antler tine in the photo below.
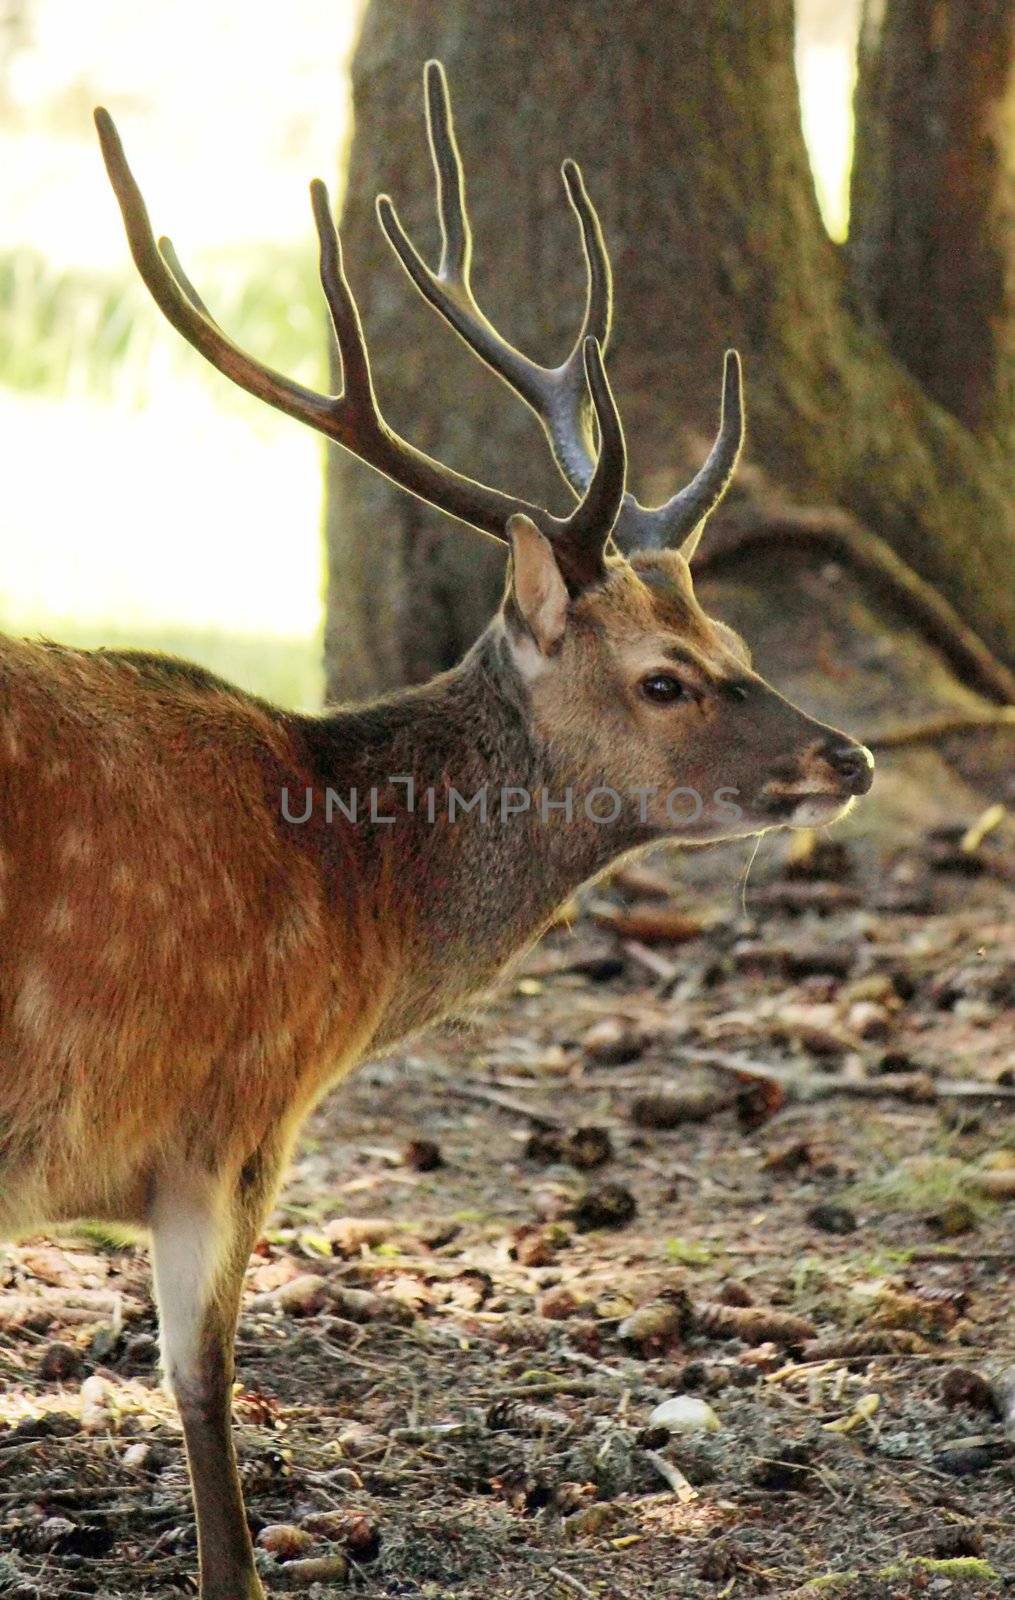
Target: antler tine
x,y
353,417
456,233
557,395
599,274
186,316
604,495
357,383
683,517
167,250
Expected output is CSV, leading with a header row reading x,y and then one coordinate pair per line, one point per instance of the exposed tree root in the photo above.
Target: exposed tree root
x,y
744,528
928,730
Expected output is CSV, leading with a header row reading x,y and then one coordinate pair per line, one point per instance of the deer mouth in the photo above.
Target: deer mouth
x,y
804,806
823,787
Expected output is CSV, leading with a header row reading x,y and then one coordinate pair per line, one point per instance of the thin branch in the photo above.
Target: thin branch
x,y
818,1085
683,1490
574,1584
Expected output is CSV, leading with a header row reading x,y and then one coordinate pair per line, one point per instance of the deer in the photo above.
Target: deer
x,y
204,921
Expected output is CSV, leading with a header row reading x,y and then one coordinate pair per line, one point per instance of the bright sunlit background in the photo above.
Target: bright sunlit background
x,y
144,498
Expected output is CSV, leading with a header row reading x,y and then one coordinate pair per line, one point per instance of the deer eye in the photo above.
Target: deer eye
x,y
663,689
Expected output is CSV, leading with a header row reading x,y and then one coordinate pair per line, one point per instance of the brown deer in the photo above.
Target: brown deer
x,y
212,909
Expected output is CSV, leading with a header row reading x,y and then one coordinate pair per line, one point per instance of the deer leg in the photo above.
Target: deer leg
x,y
201,1241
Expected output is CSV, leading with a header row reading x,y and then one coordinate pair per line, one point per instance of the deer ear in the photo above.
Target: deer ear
x,y
537,587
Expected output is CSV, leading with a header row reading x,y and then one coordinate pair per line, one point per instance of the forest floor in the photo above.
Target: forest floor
x,y
759,1156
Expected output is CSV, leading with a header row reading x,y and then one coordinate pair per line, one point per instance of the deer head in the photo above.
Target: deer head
x,y
630,685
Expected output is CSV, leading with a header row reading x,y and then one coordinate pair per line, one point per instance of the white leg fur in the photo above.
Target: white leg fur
x,y
199,1246
187,1240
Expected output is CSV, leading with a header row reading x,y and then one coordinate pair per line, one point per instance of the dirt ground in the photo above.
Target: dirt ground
x,y
755,1151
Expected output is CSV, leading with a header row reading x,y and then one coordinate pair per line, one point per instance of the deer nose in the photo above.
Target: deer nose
x,y
853,763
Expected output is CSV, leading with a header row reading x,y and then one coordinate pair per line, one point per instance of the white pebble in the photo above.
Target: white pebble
x,y
685,1414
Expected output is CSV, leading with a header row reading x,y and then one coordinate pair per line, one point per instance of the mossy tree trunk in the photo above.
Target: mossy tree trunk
x,y
686,122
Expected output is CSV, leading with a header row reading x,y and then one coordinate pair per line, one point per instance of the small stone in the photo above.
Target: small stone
x,y
558,1303
52,1531
533,1246
832,1218
60,1363
590,1520
611,1206
588,1148
142,1353
358,1441
868,1020
106,1344
964,1461
423,1155
961,1386
300,1574
732,1292
349,1236
97,1414
345,1480
304,1296
957,1539
953,1219
612,1042
355,1530
655,1326
284,1541
144,1457
685,1413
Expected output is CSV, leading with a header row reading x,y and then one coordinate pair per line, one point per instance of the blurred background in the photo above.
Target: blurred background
x,y
827,185
144,498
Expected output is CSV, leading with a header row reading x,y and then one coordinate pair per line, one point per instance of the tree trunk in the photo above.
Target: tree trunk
x,y
932,230
686,122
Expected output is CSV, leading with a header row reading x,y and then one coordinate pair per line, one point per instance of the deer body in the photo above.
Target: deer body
x,y
184,969
210,909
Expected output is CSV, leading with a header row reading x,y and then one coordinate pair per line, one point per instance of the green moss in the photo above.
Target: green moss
x,y
687,1252
958,1567
952,1567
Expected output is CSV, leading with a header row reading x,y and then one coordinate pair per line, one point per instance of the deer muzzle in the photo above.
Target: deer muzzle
x,y
820,783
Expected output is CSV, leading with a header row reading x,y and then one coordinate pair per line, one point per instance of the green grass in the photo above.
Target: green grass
x,y
79,332
923,1183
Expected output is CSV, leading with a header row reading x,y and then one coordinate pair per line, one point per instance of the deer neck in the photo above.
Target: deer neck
x,y
463,838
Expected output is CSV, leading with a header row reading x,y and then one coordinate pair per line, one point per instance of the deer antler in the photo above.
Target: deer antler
x,y
557,395
353,418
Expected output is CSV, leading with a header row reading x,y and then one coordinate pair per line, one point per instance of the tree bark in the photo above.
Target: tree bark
x,y
686,122
932,228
